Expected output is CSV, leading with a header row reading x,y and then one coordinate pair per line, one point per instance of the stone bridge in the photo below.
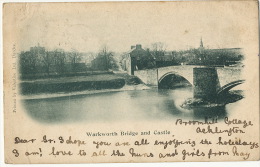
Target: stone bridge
x,y
153,77
218,78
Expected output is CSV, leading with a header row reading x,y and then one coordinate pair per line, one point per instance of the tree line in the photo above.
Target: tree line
x,y
38,60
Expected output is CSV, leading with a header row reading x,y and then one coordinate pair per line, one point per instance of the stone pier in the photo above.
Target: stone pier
x,y
206,83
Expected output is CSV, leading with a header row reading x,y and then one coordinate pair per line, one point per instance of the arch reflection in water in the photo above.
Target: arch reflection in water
x,y
212,112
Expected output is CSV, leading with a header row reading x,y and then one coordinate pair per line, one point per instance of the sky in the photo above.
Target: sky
x,y
87,27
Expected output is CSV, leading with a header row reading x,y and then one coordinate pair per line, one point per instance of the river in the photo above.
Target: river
x,y
152,104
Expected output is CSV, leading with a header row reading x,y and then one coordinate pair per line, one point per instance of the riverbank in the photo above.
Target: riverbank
x,y
80,93
67,86
70,84
37,76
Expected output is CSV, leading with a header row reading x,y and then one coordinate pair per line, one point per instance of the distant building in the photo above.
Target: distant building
x,y
137,59
168,59
210,57
226,56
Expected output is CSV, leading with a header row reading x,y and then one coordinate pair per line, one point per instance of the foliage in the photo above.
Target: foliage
x,y
105,60
39,61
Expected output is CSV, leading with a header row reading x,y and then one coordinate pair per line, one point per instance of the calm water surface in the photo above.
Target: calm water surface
x,y
135,105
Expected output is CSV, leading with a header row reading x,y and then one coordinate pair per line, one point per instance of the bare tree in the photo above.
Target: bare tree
x,y
105,59
47,60
158,49
59,61
74,58
28,63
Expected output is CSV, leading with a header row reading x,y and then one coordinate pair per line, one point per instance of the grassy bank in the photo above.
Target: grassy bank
x,y
77,83
70,84
56,75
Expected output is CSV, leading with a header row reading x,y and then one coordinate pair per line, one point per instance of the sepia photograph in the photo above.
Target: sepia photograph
x,y
154,83
75,77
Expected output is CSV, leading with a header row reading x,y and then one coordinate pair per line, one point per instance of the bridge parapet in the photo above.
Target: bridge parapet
x,y
229,74
153,76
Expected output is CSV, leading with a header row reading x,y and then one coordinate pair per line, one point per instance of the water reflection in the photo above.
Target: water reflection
x,y
153,104
213,112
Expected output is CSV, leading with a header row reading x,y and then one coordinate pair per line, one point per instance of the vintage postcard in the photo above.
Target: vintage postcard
x,y
131,82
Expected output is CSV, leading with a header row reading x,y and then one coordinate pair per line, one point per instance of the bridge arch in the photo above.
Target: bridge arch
x,y
224,89
172,80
